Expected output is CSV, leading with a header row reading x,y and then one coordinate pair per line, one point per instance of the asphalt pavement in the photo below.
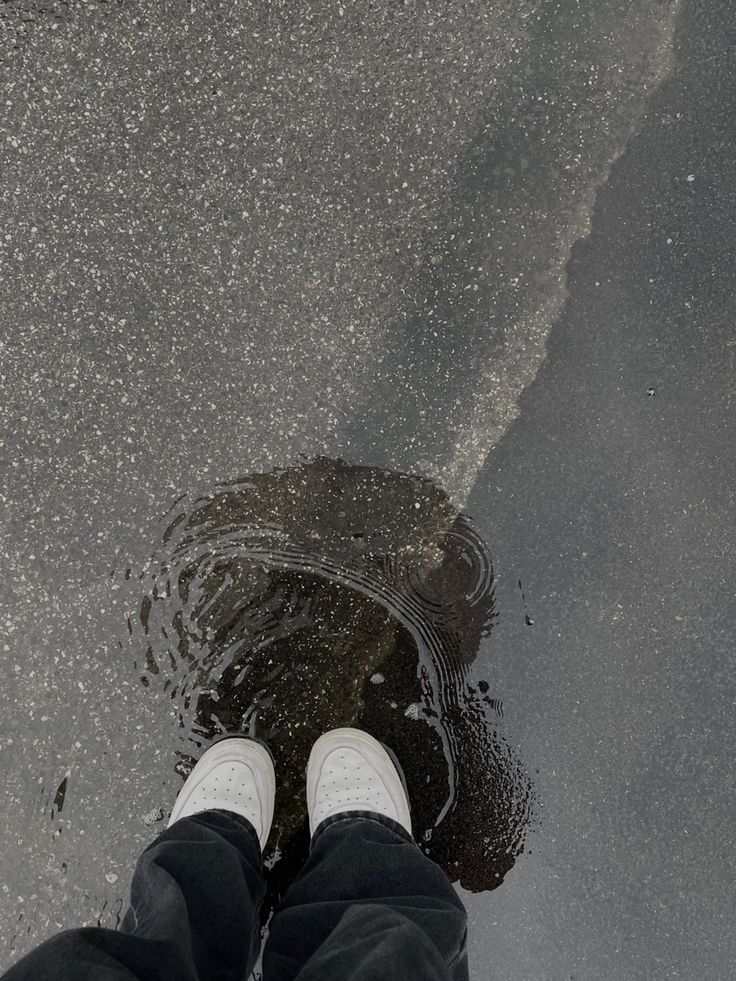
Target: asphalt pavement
x,y
487,244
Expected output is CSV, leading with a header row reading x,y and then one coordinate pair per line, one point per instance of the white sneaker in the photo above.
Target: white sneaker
x,y
235,774
349,770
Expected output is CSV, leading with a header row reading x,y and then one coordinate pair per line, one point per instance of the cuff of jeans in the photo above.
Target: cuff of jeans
x,y
352,817
235,818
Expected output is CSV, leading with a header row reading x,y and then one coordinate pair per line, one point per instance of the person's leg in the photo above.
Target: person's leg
x,y
369,904
196,889
193,913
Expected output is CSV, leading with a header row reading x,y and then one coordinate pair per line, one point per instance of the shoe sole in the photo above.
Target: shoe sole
x,y
370,746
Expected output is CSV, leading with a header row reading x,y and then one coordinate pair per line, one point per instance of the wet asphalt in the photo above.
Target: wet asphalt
x,y
487,243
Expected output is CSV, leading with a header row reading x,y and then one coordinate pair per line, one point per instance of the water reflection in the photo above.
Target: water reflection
x,y
288,603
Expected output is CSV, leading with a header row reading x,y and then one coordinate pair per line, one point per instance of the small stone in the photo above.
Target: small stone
x,y
111,877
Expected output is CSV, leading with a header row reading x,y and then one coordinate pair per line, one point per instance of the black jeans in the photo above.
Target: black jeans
x,y
368,906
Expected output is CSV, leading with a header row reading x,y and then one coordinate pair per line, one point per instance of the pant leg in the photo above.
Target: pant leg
x,y
193,913
368,906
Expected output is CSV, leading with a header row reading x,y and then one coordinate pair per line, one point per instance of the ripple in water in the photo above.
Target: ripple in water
x,y
326,594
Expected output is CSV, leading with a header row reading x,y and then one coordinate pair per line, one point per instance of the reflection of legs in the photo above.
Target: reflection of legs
x,y
369,905
193,912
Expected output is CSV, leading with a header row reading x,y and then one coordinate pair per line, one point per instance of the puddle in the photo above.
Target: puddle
x,y
285,604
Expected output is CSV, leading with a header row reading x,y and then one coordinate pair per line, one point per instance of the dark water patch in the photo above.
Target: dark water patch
x,y
52,801
528,619
20,932
110,914
61,794
288,603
